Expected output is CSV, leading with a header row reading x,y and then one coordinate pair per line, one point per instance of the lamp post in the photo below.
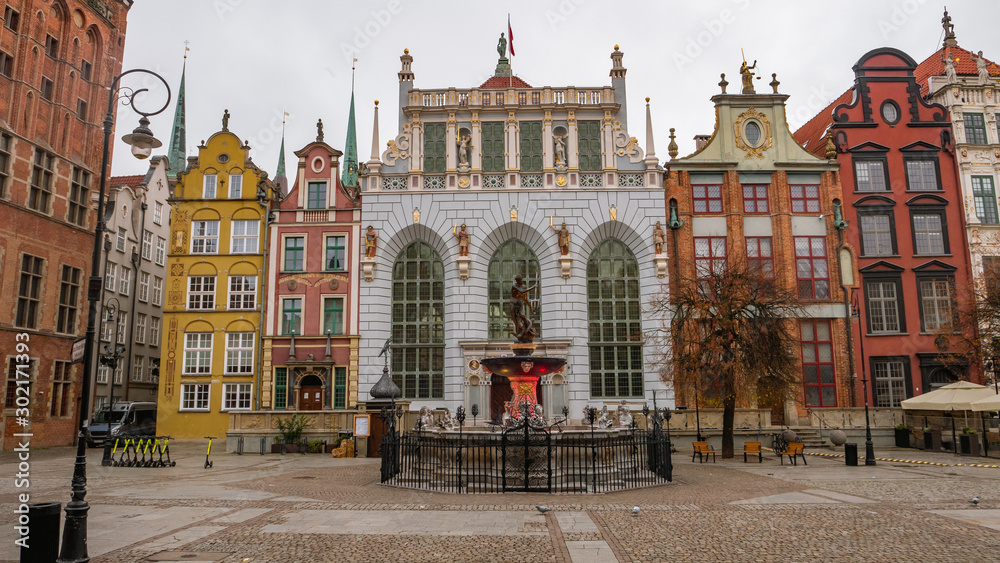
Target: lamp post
x,y
856,313
110,357
74,539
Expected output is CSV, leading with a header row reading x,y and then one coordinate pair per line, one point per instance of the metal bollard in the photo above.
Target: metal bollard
x,y
263,442
43,546
239,445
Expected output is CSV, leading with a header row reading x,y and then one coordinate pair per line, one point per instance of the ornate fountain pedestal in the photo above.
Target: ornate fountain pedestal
x,y
523,371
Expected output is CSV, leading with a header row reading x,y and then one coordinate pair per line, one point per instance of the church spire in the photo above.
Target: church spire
x,y
177,156
349,177
279,175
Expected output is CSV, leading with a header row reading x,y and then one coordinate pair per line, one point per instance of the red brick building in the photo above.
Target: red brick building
x,y
314,253
751,194
57,59
907,226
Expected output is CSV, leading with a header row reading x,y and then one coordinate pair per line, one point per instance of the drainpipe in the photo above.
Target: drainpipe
x,y
136,264
266,204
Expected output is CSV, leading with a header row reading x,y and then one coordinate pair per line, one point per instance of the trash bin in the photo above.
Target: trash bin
x,y
43,543
851,454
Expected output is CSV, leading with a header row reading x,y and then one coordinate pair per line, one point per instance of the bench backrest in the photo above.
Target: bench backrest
x,y
751,447
796,447
701,446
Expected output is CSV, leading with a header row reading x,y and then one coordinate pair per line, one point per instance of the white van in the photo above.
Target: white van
x,y
125,417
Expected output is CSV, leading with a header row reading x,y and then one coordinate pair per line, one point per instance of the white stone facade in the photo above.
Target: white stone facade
x,y
622,200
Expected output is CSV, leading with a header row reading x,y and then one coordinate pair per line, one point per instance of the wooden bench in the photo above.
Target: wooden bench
x,y
794,450
752,448
702,450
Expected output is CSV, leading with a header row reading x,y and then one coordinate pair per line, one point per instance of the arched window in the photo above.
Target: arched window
x,y
418,322
614,316
512,258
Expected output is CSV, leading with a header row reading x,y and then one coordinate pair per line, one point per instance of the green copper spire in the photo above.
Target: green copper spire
x,y
178,139
349,178
281,158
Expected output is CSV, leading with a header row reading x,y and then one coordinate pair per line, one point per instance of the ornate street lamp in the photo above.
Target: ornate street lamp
x,y
856,313
74,539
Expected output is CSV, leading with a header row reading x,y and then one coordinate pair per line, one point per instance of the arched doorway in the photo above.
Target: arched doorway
x,y
310,393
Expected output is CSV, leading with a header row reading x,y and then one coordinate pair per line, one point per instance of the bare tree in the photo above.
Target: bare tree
x,y
976,329
733,338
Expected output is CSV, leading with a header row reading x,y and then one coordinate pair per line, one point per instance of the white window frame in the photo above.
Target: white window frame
x,y
240,241
157,291
138,368
239,353
143,287
161,250
157,213
198,353
236,396
236,180
147,245
125,281
110,275
210,185
122,237
122,327
195,397
140,328
201,293
102,375
241,293
119,369
154,332
209,240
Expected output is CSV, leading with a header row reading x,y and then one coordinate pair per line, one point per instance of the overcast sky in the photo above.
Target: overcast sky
x,y
260,58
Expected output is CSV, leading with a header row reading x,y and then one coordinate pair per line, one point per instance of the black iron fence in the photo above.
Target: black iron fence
x,y
526,459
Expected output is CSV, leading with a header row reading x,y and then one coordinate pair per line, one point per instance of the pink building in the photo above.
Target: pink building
x,y
311,325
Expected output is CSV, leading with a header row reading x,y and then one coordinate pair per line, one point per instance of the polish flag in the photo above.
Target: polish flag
x,y
510,36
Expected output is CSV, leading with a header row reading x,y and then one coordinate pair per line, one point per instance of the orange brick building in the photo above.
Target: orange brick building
x,y
56,60
751,193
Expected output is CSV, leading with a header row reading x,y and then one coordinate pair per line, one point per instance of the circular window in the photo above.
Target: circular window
x,y
890,112
752,133
318,164
223,158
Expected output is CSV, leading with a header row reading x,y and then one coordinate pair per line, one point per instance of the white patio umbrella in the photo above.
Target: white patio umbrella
x,y
990,403
957,396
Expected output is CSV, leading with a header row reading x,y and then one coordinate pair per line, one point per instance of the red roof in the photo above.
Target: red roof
x,y
812,135
130,181
964,65
503,82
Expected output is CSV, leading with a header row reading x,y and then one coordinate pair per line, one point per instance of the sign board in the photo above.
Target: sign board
x,y
78,347
361,422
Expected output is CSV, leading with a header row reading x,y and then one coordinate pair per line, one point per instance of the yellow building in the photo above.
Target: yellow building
x,y
214,287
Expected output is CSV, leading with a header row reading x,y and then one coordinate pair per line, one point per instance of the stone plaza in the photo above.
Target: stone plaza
x,y
913,505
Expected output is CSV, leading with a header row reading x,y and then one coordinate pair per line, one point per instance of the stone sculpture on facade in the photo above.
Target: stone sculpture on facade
x,y
563,237
984,73
658,238
371,242
464,144
524,328
463,239
502,46
225,120
604,421
319,130
949,69
624,415
447,421
426,419
560,142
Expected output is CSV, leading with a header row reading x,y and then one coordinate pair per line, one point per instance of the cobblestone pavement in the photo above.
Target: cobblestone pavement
x,y
311,508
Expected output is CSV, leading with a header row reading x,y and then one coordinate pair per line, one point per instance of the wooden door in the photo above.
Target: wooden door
x,y
311,397
376,429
